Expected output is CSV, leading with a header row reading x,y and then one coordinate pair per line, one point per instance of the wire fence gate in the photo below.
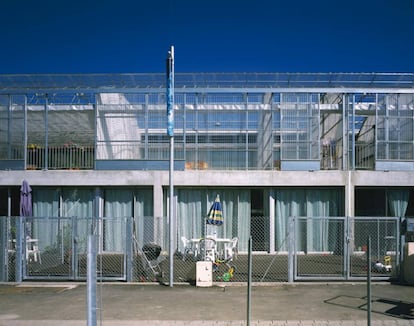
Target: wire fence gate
x,y
336,247
136,250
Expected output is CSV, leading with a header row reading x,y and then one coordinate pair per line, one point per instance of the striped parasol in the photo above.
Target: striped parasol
x,y
215,214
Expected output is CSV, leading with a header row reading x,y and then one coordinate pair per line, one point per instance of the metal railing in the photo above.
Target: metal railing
x,y
318,248
61,157
340,250
364,155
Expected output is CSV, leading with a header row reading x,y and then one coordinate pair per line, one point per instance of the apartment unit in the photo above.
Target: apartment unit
x,y
272,145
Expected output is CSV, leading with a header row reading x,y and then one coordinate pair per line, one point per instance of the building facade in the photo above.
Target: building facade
x,y
274,146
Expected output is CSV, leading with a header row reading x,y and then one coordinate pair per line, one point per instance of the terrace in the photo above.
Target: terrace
x,y
249,121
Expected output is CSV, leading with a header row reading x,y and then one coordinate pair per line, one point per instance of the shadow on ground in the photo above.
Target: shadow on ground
x,y
389,307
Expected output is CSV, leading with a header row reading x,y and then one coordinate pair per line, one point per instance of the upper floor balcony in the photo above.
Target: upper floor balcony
x,y
229,122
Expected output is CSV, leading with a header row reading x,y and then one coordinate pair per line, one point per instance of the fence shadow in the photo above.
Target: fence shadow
x,y
389,307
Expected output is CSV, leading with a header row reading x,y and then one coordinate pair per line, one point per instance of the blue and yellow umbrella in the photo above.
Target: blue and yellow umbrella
x,y
215,214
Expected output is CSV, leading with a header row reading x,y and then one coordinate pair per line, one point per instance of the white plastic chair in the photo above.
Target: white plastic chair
x,y
32,249
230,249
188,247
207,249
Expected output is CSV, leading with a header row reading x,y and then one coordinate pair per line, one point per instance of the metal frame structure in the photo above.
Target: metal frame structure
x,y
267,121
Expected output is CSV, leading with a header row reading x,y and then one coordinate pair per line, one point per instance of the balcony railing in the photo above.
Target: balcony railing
x,y
61,157
364,156
225,157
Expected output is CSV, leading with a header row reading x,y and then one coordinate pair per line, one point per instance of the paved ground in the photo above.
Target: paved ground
x,y
124,304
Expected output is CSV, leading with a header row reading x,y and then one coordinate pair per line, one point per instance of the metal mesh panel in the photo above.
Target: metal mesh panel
x,y
8,249
138,250
230,263
319,247
61,248
150,249
384,233
395,127
11,129
54,239
119,128
299,127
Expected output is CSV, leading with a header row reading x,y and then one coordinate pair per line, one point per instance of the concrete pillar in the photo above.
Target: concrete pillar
x,y
158,205
349,196
158,195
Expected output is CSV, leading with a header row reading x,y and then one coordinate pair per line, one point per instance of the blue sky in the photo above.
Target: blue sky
x,y
133,36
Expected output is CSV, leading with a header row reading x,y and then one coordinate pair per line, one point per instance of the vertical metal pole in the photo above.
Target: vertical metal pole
x,y
129,248
46,154
353,134
91,280
291,249
345,126
246,156
9,129
170,133
4,240
249,281
272,222
369,282
25,133
74,249
347,244
20,235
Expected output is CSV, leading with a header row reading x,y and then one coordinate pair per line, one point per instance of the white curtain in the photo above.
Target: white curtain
x,y
46,217
53,222
398,201
118,206
144,221
316,233
288,203
78,203
193,205
121,204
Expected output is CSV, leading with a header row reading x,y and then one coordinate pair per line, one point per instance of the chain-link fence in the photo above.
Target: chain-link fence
x,y
320,247
137,250
336,248
385,246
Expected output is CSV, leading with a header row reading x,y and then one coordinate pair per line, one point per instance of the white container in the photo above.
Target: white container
x,y
204,273
409,263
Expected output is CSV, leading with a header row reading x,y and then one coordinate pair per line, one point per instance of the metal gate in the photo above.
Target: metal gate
x,y
58,249
335,248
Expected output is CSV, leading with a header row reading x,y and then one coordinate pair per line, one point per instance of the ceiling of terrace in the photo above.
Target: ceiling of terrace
x,y
116,82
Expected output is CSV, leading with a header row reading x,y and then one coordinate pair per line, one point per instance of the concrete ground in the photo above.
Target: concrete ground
x,y
124,304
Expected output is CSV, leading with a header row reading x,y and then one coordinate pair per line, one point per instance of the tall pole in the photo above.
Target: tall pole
x,y
91,280
369,282
170,133
249,282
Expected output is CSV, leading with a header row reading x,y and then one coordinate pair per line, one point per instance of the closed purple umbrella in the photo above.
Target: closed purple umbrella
x,y
25,199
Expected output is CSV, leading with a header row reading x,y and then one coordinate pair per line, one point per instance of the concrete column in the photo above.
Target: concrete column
x,y
158,195
158,205
272,221
349,195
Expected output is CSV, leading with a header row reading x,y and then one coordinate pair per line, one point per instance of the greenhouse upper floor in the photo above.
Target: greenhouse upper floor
x,y
223,121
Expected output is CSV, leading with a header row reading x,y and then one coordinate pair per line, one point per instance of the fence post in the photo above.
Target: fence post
x,y
249,280
347,245
369,282
91,280
74,248
4,255
291,248
20,234
129,249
